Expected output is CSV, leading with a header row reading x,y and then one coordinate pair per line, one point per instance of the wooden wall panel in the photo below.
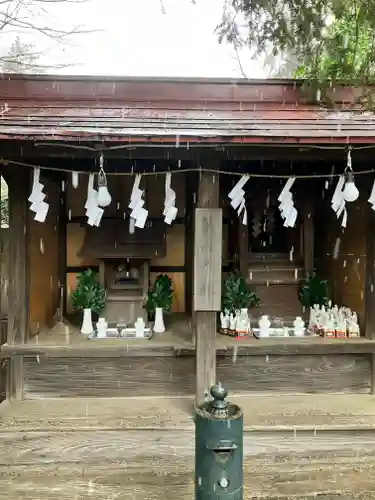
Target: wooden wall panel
x,y
343,261
71,283
109,377
171,376
4,270
225,254
43,262
175,256
303,374
75,235
178,280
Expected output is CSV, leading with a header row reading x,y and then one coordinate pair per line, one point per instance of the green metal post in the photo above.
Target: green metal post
x,y
218,449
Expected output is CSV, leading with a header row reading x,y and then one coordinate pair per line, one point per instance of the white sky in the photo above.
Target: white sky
x,y
136,38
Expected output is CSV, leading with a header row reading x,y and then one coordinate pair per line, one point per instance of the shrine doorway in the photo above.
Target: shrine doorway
x,y
267,233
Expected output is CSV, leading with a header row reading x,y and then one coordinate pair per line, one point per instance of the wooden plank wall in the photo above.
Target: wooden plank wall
x,y
172,264
43,261
342,253
4,269
175,375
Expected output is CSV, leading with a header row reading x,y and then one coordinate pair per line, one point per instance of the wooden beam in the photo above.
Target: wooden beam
x,y
205,320
18,316
370,276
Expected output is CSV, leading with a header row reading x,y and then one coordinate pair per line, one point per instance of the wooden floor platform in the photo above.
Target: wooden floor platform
x,y
179,339
70,365
295,447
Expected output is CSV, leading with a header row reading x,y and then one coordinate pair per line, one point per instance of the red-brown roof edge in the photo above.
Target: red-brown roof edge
x,y
121,89
151,79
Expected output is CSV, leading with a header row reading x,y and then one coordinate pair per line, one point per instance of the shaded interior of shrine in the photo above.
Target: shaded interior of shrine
x,y
272,258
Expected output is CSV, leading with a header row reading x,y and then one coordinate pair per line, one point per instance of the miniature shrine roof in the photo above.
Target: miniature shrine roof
x,y
112,240
155,110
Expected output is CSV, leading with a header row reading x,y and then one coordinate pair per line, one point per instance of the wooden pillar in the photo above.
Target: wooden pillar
x,y
18,317
243,233
62,255
208,229
370,287
308,237
370,276
18,314
191,184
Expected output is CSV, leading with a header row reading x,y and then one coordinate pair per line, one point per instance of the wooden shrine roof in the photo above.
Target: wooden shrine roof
x,y
112,240
144,110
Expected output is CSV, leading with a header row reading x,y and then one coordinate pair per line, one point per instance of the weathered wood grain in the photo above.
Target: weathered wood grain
x,y
292,414
95,447
205,355
140,466
18,292
311,374
173,376
108,377
208,258
207,262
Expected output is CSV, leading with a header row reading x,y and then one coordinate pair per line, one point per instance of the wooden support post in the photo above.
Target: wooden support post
x,y
18,317
207,281
243,233
191,186
308,238
370,288
62,219
18,314
370,277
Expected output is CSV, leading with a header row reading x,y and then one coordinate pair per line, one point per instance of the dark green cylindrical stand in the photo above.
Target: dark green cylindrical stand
x,y
218,449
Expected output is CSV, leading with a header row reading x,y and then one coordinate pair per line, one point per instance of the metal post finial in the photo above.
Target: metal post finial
x,y
218,406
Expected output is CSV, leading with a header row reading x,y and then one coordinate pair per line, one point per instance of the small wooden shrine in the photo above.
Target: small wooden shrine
x,y
124,265
209,160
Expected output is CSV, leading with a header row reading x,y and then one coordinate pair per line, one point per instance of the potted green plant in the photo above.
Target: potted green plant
x,y
159,300
89,297
237,294
314,291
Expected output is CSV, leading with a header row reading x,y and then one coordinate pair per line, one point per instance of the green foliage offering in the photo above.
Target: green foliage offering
x,y
332,40
160,294
89,294
237,294
314,291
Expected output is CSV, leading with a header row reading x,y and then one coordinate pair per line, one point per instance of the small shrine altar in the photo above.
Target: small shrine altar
x,y
330,321
124,265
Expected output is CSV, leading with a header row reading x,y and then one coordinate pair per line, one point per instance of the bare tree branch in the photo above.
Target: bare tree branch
x,y
24,17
